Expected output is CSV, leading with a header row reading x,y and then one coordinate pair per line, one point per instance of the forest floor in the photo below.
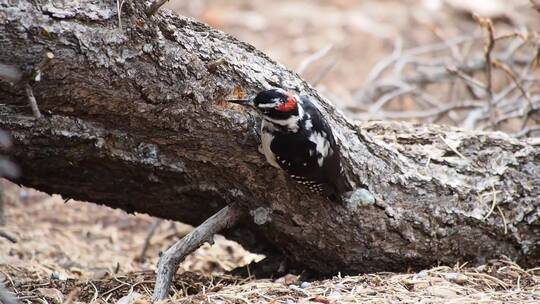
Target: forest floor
x,y
79,252
71,252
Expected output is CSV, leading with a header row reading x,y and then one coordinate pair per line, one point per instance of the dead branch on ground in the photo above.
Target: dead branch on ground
x,y
169,261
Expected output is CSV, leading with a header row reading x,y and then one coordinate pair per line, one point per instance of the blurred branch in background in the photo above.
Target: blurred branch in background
x,y
536,5
7,169
10,170
452,82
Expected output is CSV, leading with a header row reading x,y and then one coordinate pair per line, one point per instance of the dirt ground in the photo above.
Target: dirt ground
x,y
71,252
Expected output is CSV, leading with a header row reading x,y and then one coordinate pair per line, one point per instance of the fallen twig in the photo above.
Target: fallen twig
x,y
169,261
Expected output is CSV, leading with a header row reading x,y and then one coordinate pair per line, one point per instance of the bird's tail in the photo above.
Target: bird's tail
x,y
342,187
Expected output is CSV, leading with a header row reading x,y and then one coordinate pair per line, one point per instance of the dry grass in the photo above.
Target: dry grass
x,y
497,282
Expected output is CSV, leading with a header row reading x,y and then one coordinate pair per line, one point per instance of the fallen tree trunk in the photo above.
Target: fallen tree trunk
x,y
134,118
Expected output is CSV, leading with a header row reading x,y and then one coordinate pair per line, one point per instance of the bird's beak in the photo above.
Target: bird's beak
x,y
244,102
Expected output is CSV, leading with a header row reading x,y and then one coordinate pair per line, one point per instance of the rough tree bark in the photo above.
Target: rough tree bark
x,y
134,118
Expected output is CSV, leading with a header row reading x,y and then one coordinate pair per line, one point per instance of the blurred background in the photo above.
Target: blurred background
x,y
417,60
361,54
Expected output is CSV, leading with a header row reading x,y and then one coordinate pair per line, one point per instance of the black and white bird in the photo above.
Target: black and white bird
x,y
296,138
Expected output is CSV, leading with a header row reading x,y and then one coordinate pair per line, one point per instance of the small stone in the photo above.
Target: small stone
x,y
360,198
457,278
421,275
58,276
305,285
23,195
148,47
261,215
442,292
288,279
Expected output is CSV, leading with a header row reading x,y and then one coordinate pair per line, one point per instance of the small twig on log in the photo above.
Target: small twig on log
x,y
5,296
119,5
35,75
169,261
454,149
151,232
14,75
156,5
493,202
32,101
38,70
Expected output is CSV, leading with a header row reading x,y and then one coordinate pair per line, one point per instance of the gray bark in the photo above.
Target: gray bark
x,y
134,118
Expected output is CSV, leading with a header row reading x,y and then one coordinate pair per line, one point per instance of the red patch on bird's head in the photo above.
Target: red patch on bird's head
x,y
289,105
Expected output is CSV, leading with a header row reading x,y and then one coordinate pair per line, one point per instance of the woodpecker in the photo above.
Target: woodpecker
x,y
296,137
